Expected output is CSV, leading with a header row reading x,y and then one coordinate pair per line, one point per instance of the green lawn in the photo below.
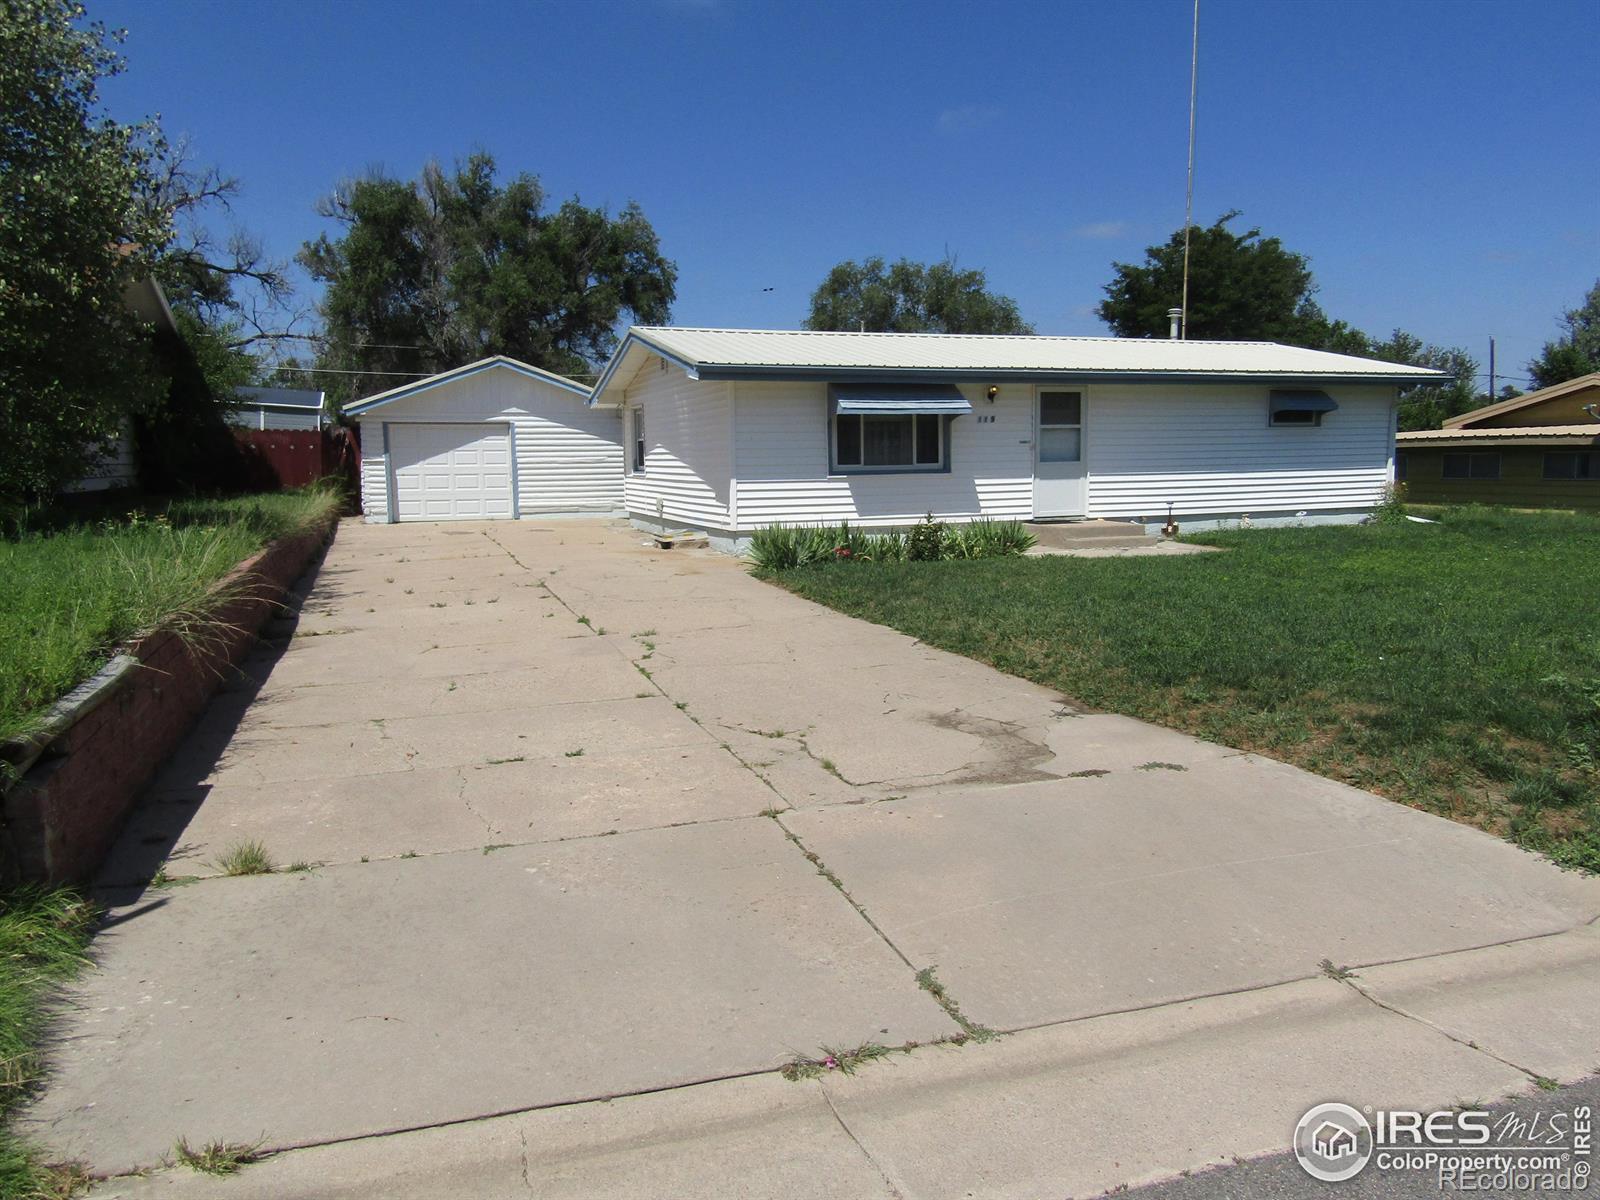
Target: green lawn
x,y
1453,666
73,593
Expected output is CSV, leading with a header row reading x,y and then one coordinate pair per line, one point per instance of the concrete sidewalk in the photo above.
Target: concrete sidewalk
x,y
600,836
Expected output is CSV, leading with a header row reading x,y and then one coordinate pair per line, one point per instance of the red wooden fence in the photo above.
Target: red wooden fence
x,y
285,458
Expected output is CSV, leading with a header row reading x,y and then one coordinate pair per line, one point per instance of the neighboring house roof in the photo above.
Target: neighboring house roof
x,y
772,353
485,364
1557,435
1542,396
145,299
285,398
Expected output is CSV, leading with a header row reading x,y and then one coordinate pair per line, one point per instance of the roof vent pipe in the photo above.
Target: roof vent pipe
x,y
1174,323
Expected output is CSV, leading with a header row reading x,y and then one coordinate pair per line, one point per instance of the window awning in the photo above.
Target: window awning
x,y
897,399
1296,400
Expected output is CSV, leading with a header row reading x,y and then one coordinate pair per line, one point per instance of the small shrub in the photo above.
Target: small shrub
x,y
926,542
1392,509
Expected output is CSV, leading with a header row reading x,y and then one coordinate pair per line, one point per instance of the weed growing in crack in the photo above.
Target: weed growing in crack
x,y
929,982
1545,1084
216,1158
1333,972
301,867
578,753
846,1062
586,621
1094,773
774,813
246,858
681,705
643,695
1161,766
498,762
493,846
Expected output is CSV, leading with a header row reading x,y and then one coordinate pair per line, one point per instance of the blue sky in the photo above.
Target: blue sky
x,y
1434,160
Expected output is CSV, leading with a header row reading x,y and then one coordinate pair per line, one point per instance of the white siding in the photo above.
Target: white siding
x,y
374,471
568,457
112,465
781,432
1209,450
285,420
688,471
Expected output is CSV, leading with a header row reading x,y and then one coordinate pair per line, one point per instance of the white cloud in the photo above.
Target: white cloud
x,y
968,116
1101,231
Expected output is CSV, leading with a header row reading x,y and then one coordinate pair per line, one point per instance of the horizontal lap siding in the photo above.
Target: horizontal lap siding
x,y
568,456
1210,450
781,432
374,471
688,465
1521,484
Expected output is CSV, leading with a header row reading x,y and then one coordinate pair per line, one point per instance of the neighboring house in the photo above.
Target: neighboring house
x,y
1541,450
276,408
492,439
729,431
114,463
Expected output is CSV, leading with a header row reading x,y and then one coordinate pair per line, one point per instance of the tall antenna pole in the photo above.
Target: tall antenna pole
x,y
1491,370
1188,204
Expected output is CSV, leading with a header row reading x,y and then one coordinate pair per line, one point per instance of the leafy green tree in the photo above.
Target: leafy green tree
x,y
455,266
1577,351
911,297
1242,286
1430,407
74,363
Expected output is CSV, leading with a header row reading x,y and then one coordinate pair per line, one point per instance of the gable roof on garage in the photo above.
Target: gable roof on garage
x,y
499,361
842,357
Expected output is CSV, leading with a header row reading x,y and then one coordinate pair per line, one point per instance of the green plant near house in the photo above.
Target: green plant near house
x,y
44,940
926,542
787,547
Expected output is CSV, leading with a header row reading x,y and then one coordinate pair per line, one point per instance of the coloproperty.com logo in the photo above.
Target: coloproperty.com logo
x,y
1466,1150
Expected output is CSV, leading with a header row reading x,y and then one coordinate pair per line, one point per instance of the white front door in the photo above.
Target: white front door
x,y
1058,476
450,472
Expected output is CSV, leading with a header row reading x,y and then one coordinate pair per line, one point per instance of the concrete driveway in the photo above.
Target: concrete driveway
x,y
600,836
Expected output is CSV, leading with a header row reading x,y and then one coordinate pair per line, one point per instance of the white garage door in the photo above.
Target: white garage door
x,y
451,472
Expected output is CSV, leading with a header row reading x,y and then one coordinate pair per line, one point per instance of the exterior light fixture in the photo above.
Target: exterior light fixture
x,y
992,393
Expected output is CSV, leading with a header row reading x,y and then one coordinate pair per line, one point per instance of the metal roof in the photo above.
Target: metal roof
x,y
280,397
1565,434
483,364
1555,391
760,353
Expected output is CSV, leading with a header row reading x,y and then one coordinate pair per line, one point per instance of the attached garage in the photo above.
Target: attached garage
x,y
493,440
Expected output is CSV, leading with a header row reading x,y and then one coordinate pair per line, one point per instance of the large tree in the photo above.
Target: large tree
x,y
1242,286
911,297
74,362
454,266
1577,351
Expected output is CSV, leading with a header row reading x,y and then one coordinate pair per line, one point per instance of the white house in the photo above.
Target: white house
x,y
493,439
731,430
276,408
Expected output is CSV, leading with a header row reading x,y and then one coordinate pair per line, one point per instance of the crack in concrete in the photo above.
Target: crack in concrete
x,y
1347,978
461,796
882,1171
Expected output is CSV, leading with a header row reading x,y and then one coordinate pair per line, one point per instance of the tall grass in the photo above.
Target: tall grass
x,y
785,547
1453,666
43,941
72,596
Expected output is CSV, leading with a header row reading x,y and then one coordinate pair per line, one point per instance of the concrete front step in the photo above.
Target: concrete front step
x,y
1074,534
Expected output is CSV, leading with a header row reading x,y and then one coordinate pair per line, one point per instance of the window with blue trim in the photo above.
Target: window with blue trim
x,y
898,442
